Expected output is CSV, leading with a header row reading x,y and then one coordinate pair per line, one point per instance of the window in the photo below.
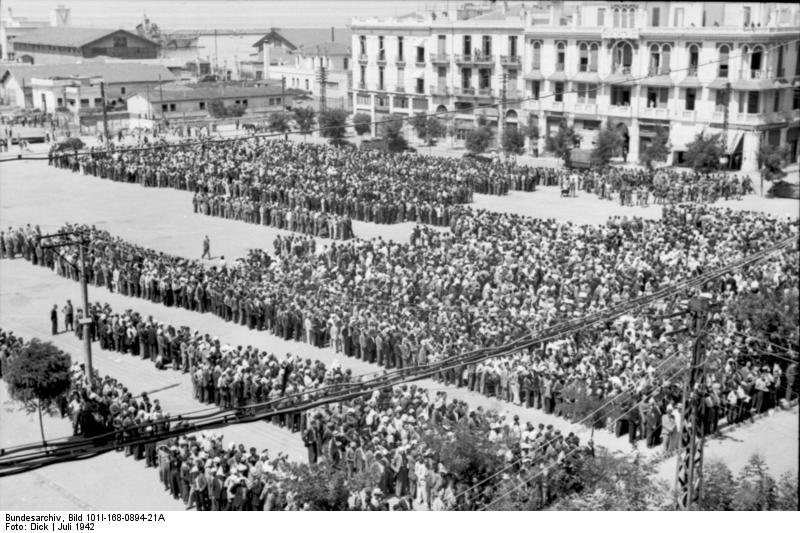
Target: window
x,y
752,102
691,96
558,91
467,45
657,97
655,58
420,85
172,107
796,98
535,89
755,61
656,14
620,96
346,63
122,90
164,108
631,17
84,101
623,57
466,78
202,106
583,61
60,102
485,76
746,15
678,23
401,74
420,54
362,99
99,101
400,48
306,84
601,17
780,60
724,53
616,17
401,102
560,56
120,42
666,51
381,78
694,57
776,102
441,74
362,75
536,55
486,47
512,45
721,100
381,51
593,48
441,45
362,43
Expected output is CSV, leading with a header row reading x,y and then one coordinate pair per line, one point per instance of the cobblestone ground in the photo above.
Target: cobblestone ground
x,y
32,192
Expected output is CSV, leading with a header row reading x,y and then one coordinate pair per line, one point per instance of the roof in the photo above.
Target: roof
x,y
329,48
110,72
182,93
500,14
306,37
71,37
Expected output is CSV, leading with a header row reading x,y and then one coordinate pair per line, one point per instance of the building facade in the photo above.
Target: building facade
x,y
69,44
727,68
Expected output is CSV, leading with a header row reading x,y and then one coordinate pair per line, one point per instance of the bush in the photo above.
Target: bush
x,y
513,141
304,117
362,123
703,153
333,124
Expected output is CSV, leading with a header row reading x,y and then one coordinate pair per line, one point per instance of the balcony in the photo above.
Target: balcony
x,y
585,108
718,116
400,62
661,113
420,62
474,59
464,91
692,72
381,60
362,86
619,110
362,58
559,67
749,118
513,61
400,88
439,90
485,92
686,114
513,94
440,59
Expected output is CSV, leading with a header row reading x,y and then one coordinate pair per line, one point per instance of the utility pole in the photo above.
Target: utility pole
x,y
501,112
725,120
283,92
81,242
105,115
322,78
689,474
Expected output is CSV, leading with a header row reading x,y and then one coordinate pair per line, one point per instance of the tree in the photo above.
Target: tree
x,y
787,492
305,117
428,129
217,109
393,134
278,121
755,488
333,124
606,146
718,487
362,123
703,153
562,142
531,131
39,378
657,150
513,141
318,487
478,139
772,160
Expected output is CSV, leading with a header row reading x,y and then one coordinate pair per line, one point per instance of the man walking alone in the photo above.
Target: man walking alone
x,y
206,248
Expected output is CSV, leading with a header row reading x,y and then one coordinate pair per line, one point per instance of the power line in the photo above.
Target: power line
x,y
395,119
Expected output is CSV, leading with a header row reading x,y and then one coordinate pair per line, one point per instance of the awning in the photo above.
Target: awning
x,y
586,77
734,137
558,75
690,83
752,85
534,75
718,83
658,81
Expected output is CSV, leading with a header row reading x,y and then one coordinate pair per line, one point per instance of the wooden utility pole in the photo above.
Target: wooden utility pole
x,y
105,114
689,474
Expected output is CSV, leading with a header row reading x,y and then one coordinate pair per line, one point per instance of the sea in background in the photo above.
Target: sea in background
x,y
220,14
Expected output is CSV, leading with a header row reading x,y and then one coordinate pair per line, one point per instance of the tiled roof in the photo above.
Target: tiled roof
x,y
307,37
180,93
70,36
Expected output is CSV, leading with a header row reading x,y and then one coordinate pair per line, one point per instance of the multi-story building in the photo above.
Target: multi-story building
x,y
728,68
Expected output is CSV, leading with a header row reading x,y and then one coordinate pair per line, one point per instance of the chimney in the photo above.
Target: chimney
x,y
333,37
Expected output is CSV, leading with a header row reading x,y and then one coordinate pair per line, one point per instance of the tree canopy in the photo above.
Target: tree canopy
x,y
430,129
361,123
562,142
478,139
606,146
333,124
513,141
657,150
304,117
278,121
704,152
393,133
773,159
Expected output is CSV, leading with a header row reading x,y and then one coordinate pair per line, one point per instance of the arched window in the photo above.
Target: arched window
x,y
593,50
616,17
624,21
631,17
724,55
655,58
536,55
623,57
583,65
561,56
694,58
755,60
666,52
